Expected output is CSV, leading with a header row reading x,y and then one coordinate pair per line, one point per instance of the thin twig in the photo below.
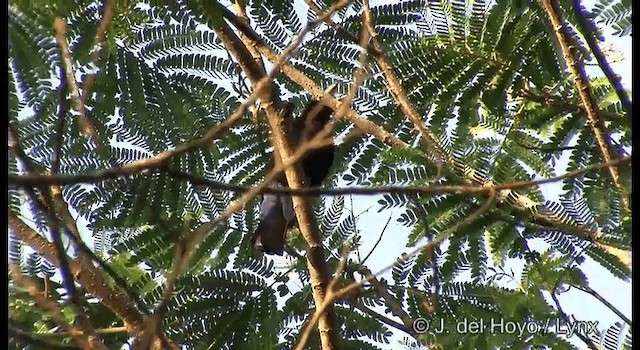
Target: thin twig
x,y
407,190
390,301
566,318
389,322
604,301
554,290
377,242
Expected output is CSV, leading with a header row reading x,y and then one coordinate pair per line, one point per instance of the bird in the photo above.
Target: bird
x,y
276,210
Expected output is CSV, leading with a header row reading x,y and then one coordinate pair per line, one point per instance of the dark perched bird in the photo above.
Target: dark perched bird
x,y
317,162
276,211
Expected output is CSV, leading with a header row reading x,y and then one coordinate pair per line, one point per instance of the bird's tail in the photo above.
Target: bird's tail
x,y
276,216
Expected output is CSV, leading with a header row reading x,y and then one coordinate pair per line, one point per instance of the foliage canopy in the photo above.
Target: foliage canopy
x,y
489,79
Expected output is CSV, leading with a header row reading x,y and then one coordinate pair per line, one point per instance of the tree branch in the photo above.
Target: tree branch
x,y
590,37
407,190
567,320
36,339
90,280
390,301
604,301
32,180
407,108
389,322
377,242
603,140
88,129
79,336
275,112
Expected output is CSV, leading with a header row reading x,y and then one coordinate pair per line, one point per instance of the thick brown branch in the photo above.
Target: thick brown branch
x,y
88,129
397,91
275,111
603,140
15,333
78,335
590,37
239,7
31,180
90,281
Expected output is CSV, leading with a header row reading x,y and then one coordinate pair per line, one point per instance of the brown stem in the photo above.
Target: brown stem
x,y
15,333
390,301
590,37
91,281
78,335
32,180
87,128
282,149
603,140
396,90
